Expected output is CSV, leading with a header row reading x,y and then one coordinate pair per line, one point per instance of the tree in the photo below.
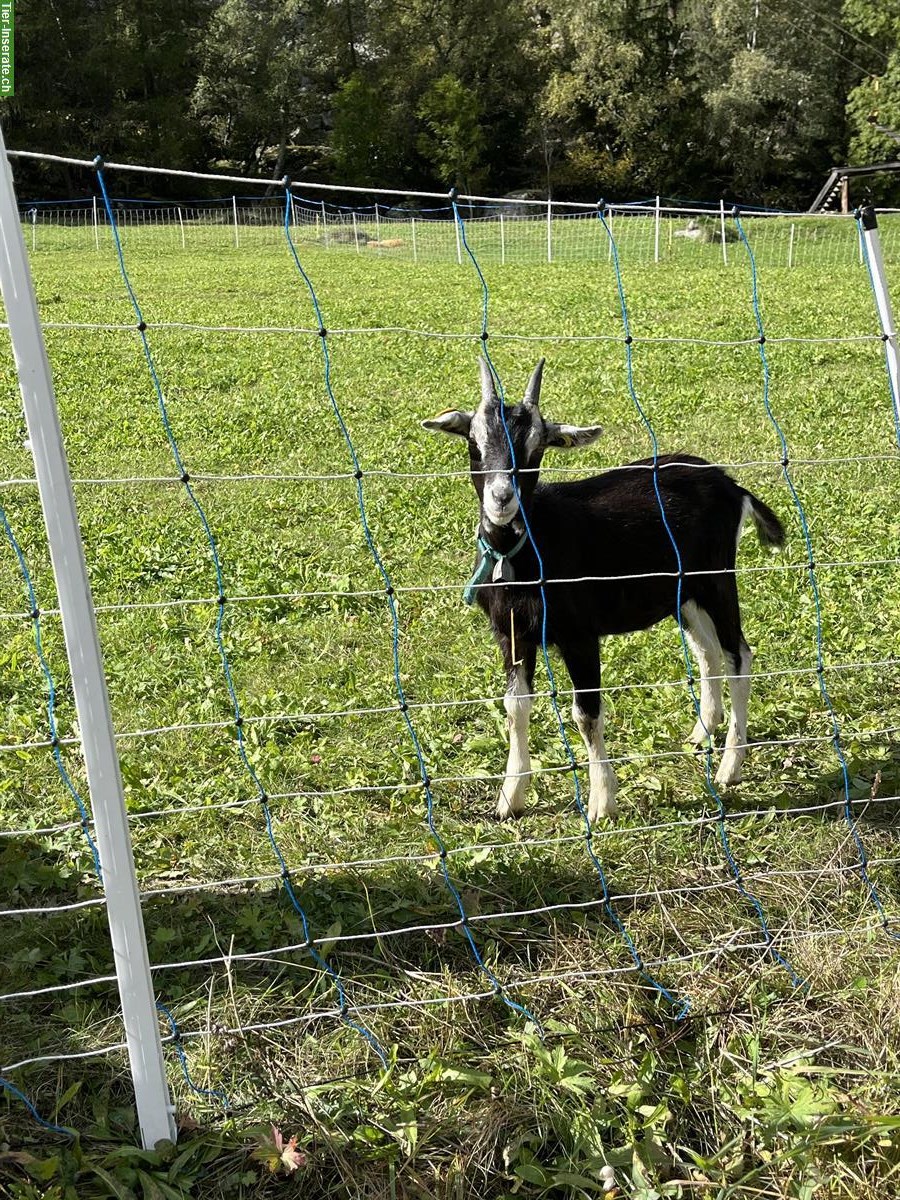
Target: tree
x,y
873,107
451,139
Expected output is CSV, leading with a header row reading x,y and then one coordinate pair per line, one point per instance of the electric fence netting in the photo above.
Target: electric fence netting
x,y
306,724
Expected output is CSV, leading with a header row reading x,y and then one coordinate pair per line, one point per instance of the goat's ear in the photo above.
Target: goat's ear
x,y
570,437
452,421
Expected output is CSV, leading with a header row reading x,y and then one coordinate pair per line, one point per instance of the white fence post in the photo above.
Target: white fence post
x,y
237,240
96,227
656,233
355,232
502,241
377,229
123,909
722,222
549,230
872,240
415,249
324,224
609,226
458,243
33,227
791,246
181,223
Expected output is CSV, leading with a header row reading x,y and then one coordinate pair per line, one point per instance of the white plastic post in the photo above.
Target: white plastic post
x,y
549,230
181,223
325,224
33,227
415,248
502,241
870,236
791,246
123,909
722,222
96,227
656,233
609,239
377,228
458,243
355,233
237,240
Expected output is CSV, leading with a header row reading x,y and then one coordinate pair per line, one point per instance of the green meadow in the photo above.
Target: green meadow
x,y
765,1089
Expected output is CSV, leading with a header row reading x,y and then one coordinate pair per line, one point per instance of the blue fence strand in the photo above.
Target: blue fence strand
x,y
211,1093
710,785
42,1121
681,1006
85,820
849,816
215,557
395,633
35,617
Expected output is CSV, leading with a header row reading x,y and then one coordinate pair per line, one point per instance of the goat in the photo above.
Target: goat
x,y
609,567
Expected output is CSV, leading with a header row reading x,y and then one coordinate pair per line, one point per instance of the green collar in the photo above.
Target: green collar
x,y
490,564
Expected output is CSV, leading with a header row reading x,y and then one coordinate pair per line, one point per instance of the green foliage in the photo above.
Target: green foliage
x,y
605,97
451,140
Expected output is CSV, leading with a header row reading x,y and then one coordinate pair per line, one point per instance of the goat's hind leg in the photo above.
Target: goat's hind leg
x,y
726,614
738,664
583,663
703,639
517,702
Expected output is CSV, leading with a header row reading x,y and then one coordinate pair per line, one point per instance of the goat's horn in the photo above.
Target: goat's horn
x,y
533,391
488,391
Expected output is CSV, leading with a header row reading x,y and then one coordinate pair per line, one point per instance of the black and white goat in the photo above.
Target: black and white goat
x,y
594,535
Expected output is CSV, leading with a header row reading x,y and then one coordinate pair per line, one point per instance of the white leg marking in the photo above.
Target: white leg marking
x,y
518,765
604,785
736,740
703,640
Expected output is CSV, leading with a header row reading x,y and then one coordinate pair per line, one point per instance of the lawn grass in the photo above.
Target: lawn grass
x,y
765,1089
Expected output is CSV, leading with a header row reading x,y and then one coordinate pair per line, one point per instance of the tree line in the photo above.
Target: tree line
x,y
750,99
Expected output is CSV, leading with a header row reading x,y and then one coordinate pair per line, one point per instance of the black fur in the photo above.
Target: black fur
x,y
609,527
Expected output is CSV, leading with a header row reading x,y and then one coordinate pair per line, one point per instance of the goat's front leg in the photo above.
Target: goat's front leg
x,y
583,663
520,677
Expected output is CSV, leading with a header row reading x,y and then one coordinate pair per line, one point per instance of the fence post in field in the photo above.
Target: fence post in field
x,y
656,233
609,240
458,243
502,241
324,224
791,246
96,226
237,240
722,226
549,230
377,228
415,249
355,232
123,909
871,238
181,223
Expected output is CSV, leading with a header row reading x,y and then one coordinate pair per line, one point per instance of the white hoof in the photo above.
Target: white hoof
x,y
699,735
729,771
511,802
602,801
702,732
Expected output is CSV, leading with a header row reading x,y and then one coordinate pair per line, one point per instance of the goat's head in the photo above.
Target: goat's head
x,y
507,444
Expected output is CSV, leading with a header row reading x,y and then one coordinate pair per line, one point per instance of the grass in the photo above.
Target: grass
x,y
764,1090
829,242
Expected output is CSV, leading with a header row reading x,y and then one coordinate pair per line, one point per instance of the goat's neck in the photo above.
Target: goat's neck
x,y
501,538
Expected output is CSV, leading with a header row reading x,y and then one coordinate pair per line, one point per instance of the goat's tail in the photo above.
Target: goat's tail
x,y
768,527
